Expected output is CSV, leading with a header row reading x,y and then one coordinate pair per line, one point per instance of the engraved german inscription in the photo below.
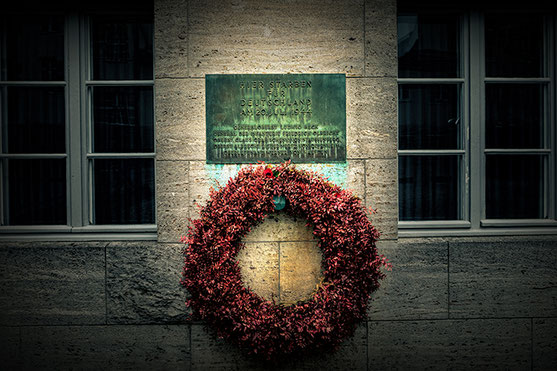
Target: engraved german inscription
x,y
274,118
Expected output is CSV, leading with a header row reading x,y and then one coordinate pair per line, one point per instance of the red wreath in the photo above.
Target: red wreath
x,y
351,265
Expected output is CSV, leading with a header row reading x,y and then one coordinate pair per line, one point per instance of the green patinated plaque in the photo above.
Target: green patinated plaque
x,y
274,118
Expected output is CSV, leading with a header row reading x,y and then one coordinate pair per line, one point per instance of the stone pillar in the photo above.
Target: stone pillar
x,y
356,38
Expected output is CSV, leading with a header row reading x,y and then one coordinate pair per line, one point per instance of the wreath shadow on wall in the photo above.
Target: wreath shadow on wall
x,y
351,264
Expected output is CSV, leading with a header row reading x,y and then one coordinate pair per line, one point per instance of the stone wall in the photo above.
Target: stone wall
x,y
356,38
487,303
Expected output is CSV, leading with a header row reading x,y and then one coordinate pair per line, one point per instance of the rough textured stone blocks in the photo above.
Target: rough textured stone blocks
x,y
285,272
545,344
204,176
382,195
10,345
417,287
171,38
180,119
280,227
380,38
52,283
209,353
276,37
200,183
371,118
106,347
512,278
351,355
449,344
259,265
143,283
300,271
355,179
172,200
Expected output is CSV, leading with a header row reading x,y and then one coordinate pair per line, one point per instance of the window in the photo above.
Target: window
x,y
77,148
476,121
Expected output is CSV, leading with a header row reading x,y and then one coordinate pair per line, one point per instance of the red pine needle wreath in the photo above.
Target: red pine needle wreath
x,y
351,265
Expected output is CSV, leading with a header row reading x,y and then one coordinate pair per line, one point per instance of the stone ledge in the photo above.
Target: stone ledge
x,y
544,343
503,279
143,283
10,348
416,287
106,347
209,353
450,344
52,283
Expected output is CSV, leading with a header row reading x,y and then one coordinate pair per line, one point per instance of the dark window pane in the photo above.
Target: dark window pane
x,y
514,187
34,48
429,116
37,191
514,116
122,49
123,119
428,187
514,45
428,45
124,191
36,118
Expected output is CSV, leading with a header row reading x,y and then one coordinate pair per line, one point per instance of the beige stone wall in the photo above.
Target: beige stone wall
x,y
354,37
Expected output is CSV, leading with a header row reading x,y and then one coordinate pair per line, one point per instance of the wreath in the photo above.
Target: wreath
x,y
351,264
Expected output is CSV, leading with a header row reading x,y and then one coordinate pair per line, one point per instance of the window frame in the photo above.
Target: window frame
x,y
78,85
473,171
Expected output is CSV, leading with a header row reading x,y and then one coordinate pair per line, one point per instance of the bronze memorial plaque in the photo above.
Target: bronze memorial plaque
x,y
274,118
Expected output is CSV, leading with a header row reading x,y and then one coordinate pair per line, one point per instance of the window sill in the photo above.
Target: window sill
x,y
434,224
147,232
80,237
498,231
519,223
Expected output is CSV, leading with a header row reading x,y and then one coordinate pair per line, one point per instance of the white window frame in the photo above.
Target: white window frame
x,y
473,153
78,141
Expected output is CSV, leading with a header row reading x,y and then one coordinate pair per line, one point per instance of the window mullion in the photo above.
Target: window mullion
x,y
86,179
3,161
477,165
551,118
465,119
3,122
73,121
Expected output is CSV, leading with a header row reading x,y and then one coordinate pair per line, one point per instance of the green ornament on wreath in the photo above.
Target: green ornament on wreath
x,y
346,238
